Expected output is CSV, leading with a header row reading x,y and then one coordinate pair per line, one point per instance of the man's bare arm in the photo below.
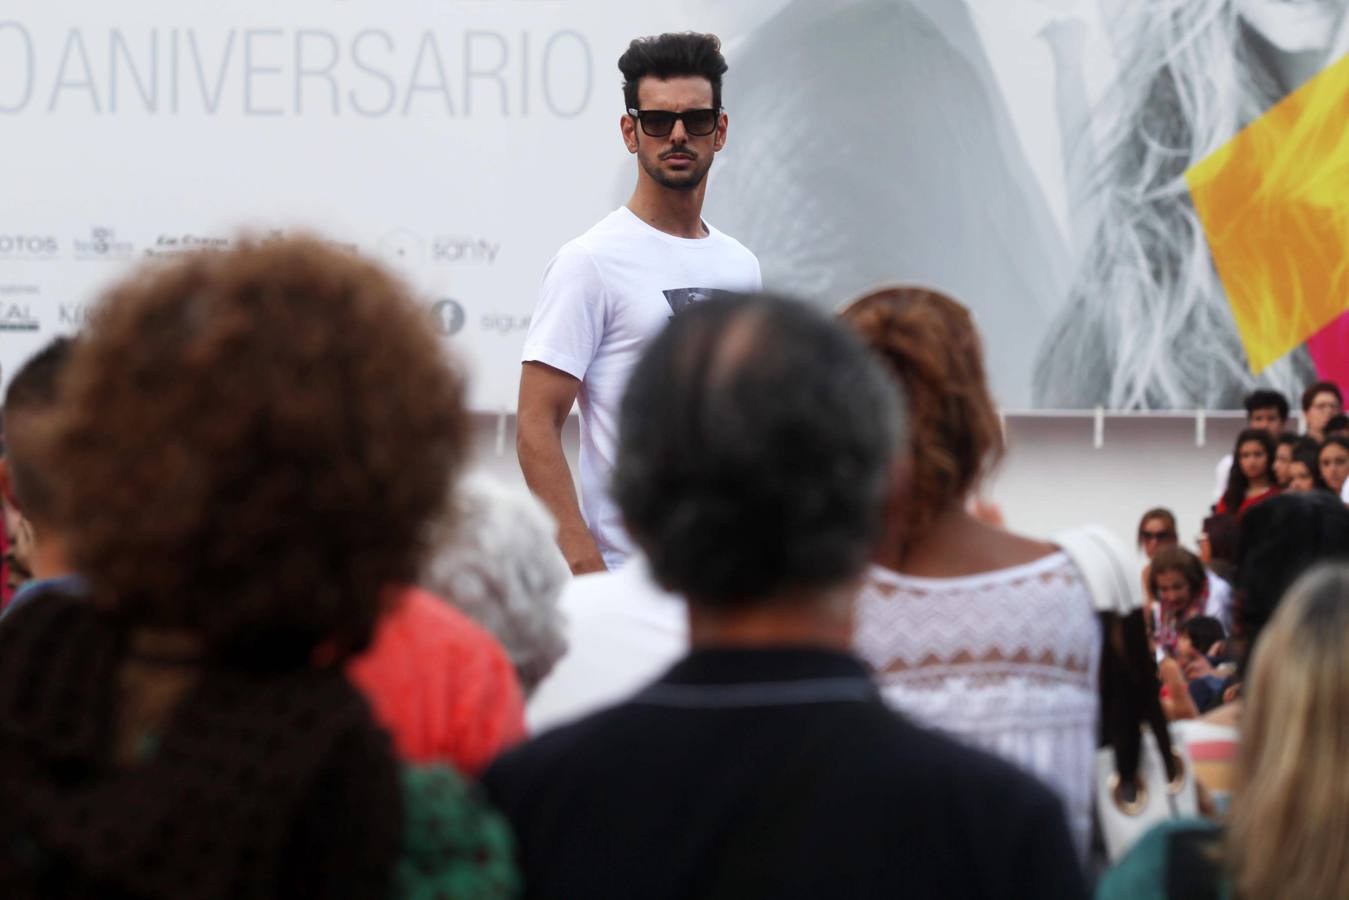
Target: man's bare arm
x,y
546,398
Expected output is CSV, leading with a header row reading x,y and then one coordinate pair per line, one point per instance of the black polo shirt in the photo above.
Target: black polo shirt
x,y
774,773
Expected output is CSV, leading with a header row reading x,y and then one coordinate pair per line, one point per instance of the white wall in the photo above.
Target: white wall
x,y
1052,476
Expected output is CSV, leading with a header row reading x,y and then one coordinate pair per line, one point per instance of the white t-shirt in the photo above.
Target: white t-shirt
x,y
1219,603
623,631
605,295
1220,476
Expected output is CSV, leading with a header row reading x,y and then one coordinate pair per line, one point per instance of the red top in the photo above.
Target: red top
x,y
440,684
1221,508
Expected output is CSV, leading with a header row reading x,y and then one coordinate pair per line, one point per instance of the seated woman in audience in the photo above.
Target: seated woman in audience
x,y
1252,477
1156,529
495,557
1178,581
261,437
981,633
1288,833
1283,459
1333,463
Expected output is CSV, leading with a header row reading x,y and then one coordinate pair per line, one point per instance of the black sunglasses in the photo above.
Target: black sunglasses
x,y
1156,535
660,122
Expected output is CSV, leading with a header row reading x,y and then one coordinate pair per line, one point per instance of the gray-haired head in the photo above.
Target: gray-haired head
x,y
756,446
499,563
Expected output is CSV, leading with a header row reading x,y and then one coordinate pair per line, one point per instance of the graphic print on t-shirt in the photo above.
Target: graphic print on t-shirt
x,y
681,299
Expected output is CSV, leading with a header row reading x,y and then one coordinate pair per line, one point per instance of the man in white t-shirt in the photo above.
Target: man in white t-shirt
x,y
608,292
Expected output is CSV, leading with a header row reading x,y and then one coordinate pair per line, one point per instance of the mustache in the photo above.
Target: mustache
x,y
679,151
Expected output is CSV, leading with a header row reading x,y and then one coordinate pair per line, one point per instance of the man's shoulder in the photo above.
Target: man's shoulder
x,y
890,757
730,244
616,227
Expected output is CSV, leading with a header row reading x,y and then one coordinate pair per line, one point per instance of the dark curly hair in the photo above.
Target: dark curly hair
x,y
930,344
672,55
755,447
261,436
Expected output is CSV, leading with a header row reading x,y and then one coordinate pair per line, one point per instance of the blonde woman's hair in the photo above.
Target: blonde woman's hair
x,y
1289,834
1147,324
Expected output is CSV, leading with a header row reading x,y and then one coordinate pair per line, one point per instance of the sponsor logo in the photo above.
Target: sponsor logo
x,y
19,290
178,244
451,249
448,316
402,247
279,234
72,315
17,317
681,299
102,243
504,323
28,246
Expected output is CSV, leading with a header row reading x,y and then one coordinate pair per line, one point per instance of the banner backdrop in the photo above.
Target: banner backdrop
x,y
1040,160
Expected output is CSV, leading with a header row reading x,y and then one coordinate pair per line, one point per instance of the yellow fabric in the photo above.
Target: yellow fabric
x,y
1274,204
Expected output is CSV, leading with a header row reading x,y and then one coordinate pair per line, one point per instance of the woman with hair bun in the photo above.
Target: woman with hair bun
x,y
984,634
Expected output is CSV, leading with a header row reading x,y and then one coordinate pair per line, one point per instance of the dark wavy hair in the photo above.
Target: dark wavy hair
x,y
1237,482
930,344
672,55
1281,539
262,435
756,445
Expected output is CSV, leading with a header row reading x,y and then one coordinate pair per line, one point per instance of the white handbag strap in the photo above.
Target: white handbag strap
x,y
1105,566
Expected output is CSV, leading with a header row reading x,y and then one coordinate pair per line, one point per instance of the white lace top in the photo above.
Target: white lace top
x,y
1003,660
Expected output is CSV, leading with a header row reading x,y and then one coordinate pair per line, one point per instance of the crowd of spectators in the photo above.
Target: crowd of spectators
x,y
274,640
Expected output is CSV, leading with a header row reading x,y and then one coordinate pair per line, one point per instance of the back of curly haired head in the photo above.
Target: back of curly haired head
x,y
756,444
262,435
672,55
930,344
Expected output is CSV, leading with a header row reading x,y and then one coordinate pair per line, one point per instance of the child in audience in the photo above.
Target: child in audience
x,y
1200,651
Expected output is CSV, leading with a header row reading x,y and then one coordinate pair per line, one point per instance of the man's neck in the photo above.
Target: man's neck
x,y
821,619
679,213
49,557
